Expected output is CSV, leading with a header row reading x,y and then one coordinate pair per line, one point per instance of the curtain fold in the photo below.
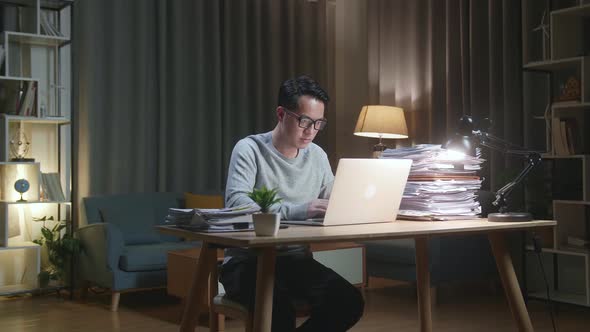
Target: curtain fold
x,y
440,59
166,88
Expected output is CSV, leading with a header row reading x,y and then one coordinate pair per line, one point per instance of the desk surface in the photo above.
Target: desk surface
x,y
393,230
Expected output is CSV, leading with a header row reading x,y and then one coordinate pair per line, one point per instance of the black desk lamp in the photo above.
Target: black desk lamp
x,y
467,139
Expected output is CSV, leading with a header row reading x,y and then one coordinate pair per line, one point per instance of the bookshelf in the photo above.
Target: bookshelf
x,y
556,88
35,132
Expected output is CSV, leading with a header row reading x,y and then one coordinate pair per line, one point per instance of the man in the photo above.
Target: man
x,y
286,159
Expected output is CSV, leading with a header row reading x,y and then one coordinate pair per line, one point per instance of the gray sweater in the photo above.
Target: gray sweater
x,y
255,163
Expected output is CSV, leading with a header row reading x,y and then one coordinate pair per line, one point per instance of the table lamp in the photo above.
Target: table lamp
x,y
466,140
379,121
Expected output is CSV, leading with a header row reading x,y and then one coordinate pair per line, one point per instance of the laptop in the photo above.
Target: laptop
x,y
364,191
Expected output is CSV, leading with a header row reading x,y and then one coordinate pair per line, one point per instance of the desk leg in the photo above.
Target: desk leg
x,y
198,292
423,284
509,281
265,279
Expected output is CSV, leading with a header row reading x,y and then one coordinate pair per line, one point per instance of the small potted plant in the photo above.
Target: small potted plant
x,y
265,223
61,247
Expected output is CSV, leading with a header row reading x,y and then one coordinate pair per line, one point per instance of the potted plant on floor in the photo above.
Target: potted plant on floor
x,y
265,223
61,247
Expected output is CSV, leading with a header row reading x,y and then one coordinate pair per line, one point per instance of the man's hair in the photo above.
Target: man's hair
x,y
293,88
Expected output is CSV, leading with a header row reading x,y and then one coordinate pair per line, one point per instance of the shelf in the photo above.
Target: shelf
x,y
45,4
571,202
56,4
20,245
581,10
551,65
17,289
36,202
17,78
35,39
569,105
33,119
556,296
573,156
580,253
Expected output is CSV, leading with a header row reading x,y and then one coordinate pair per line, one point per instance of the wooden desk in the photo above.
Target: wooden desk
x,y
419,231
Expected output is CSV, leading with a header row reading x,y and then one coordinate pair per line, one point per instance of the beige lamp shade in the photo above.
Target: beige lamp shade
x,y
380,121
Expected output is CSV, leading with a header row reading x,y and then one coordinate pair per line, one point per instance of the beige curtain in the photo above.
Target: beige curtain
x,y
165,88
440,59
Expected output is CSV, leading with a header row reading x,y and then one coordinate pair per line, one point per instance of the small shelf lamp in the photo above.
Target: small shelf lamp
x,y
379,121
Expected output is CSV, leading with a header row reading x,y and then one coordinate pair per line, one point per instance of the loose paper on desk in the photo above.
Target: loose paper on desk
x,y
218,219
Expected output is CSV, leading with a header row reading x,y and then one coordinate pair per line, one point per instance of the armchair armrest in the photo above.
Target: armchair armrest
x,y
103,245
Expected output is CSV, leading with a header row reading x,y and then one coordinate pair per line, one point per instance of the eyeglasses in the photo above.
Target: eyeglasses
x,y
306,122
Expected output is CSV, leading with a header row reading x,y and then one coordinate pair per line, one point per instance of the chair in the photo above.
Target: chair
x,y
121,248
220,306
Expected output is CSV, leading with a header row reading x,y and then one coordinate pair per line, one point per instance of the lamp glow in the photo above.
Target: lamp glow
x,y
467,139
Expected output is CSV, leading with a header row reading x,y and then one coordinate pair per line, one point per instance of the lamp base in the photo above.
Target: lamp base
x,y
378,149
510,217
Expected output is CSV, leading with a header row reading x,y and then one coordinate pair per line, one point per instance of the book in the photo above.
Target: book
x,y
2,56
51,185
27,101
571,134
563,132
558,143
47,26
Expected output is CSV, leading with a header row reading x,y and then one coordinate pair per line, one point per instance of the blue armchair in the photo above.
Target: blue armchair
x,y
122,249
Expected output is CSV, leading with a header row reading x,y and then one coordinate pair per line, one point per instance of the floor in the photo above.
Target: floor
x,y
387,309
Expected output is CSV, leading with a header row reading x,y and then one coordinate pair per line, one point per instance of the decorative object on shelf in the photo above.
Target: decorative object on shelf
x,y
379,121
19,146
21,186
61,247
466,142
265,223
42,110
12,178
570,90
544,27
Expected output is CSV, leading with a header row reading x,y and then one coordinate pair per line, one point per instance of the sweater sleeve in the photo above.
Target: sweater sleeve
x,y
241,175
328,178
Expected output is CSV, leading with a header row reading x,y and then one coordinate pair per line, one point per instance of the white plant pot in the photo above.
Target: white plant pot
x,y
266,224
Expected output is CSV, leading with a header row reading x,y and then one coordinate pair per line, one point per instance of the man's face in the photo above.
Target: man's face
x,y
295,135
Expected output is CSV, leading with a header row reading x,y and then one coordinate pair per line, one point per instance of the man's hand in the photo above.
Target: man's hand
x,y
317,208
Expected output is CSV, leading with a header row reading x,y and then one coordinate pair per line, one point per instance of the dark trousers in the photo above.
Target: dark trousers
x,y
335,304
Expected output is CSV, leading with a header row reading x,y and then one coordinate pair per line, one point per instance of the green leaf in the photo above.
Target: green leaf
x,y
47,234
265,198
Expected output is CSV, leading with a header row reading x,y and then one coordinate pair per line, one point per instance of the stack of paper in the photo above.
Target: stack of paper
x,y
226,219
442,185
180,216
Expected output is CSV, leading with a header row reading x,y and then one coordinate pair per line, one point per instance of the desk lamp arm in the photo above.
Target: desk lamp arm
x,y
534,159
495,143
